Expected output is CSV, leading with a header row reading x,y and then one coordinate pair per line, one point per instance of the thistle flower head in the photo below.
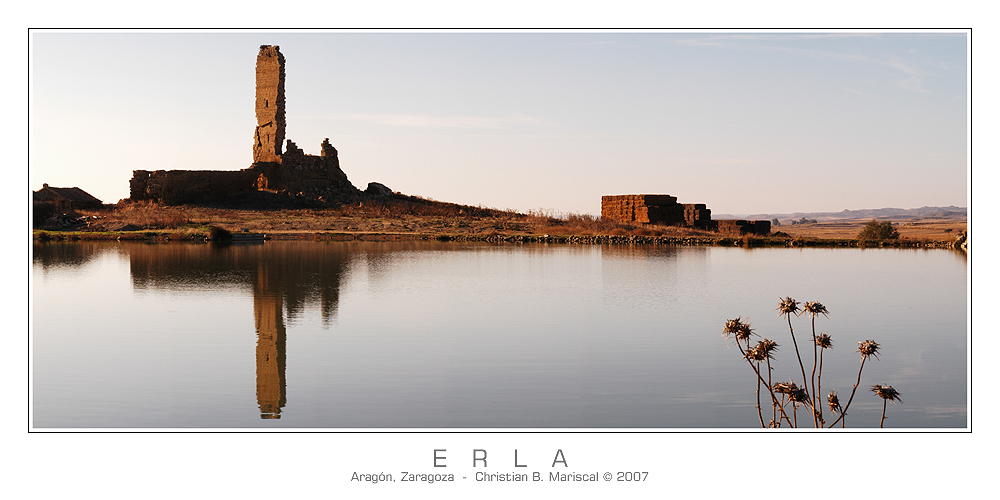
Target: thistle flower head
x,y
799,395
768,346
784,387
732,326
824,341
868,348
739,329
887,392
787,306
762,350
814,309
796,394
833,402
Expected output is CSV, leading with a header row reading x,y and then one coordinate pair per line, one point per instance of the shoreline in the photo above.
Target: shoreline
x,y
165,236
414,219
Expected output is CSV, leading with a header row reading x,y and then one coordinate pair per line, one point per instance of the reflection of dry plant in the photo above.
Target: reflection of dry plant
x,y
763,352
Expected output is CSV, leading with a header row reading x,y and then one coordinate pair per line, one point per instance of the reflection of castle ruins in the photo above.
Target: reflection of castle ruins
x,y
283,280
289,174
269,321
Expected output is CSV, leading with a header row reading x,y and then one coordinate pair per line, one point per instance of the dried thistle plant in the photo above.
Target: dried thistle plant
x,y
887,393
814,309
824,341
868,348
833,402
791,391
789,307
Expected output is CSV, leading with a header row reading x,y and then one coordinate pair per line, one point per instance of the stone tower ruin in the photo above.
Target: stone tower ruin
x,y
270,108
291,174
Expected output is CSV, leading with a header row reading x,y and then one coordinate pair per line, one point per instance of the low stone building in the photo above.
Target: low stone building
x,y
664,209
50,201
654,209
64,199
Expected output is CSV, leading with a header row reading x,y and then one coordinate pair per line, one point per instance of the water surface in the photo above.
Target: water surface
x,y
453,335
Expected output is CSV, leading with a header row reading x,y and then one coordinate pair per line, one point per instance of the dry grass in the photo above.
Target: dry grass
x,y
410,215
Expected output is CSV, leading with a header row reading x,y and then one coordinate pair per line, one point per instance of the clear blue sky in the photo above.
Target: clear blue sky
x,y
743,122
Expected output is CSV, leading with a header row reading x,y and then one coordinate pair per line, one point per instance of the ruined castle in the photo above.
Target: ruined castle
x,y
289,174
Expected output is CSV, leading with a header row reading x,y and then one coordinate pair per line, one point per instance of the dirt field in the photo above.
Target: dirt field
x,y
927,228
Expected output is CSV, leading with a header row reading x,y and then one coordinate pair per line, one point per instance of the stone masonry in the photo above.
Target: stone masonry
x,y
293,173
270,106
664,209
654,209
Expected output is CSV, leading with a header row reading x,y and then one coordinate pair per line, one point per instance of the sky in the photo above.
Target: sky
x,y
746,122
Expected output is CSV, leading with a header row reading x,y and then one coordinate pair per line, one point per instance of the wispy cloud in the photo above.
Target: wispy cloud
x,y
604,42
733,41
913,85
726,39
856,91
430,121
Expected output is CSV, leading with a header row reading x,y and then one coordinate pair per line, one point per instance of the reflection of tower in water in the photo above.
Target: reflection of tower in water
x,y
285,277
267,310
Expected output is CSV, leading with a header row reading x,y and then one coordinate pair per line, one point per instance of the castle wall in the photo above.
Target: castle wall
x,y
178,187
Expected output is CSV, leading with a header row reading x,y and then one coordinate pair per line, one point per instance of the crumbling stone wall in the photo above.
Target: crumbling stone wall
x,y
179,187
318,177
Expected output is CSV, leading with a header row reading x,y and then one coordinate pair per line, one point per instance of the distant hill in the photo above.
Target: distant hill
x,y
951,212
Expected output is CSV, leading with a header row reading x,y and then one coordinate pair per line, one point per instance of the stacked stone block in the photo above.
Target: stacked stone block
x,y
642,208
741,227
697,215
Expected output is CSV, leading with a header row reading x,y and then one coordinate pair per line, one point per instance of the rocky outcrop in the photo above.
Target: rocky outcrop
x,y
376,189
962,241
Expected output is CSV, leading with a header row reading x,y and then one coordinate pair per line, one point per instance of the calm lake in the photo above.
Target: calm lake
x,y
429,335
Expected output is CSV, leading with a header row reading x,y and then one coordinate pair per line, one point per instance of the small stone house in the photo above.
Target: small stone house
x,y
64,199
